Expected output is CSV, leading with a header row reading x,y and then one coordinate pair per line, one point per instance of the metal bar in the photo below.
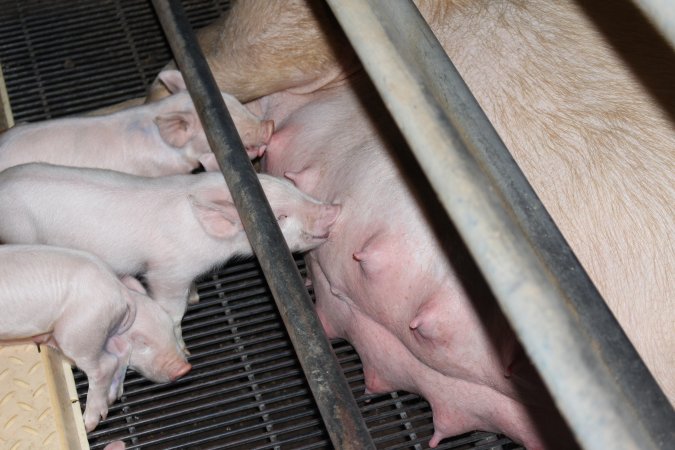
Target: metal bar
x,y
6,118
333,396
595,375
661,14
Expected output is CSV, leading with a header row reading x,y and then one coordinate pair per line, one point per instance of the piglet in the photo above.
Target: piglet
x,y
171,229
71,300
162,138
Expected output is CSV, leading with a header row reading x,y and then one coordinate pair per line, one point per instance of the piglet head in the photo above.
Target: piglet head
x,y
305,222
181,128
155,351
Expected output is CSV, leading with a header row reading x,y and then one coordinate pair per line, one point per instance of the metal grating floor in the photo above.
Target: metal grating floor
x,y
70,56
246,389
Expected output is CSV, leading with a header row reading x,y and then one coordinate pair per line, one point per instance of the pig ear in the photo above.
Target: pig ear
x,y
118,346
133,284
129,316
173,80
176,128
218,217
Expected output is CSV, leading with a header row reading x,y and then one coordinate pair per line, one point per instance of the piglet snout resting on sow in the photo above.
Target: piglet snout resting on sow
x,y
71,300
170,229
162,138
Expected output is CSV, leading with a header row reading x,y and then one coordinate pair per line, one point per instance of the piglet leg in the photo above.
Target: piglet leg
x,y
173,295
100,369
91,355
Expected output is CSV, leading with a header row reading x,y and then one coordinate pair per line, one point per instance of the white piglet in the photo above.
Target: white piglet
x,y
154,139
71,300
171,229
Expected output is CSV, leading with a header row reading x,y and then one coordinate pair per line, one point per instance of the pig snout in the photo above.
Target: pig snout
x,y
164,372
179,369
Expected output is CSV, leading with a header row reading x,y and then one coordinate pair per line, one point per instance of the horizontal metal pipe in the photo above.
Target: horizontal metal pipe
x,y
334,399
593,372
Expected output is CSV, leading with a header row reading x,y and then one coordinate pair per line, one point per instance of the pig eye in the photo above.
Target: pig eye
x,y
281,217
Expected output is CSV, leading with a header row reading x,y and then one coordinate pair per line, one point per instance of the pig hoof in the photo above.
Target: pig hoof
x,y
180,371
193,295
193,298
91,420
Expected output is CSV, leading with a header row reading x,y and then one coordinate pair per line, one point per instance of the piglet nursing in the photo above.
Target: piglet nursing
x,y
161,138
171,229
72,301
588,118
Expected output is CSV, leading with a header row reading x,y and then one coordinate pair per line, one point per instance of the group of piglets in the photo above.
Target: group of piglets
x,y
87,204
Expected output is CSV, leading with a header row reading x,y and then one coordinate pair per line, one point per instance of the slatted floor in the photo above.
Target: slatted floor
x,y
246,389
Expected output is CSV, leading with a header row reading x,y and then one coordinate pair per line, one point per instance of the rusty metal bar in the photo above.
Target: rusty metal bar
x,y
331,391
596,377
